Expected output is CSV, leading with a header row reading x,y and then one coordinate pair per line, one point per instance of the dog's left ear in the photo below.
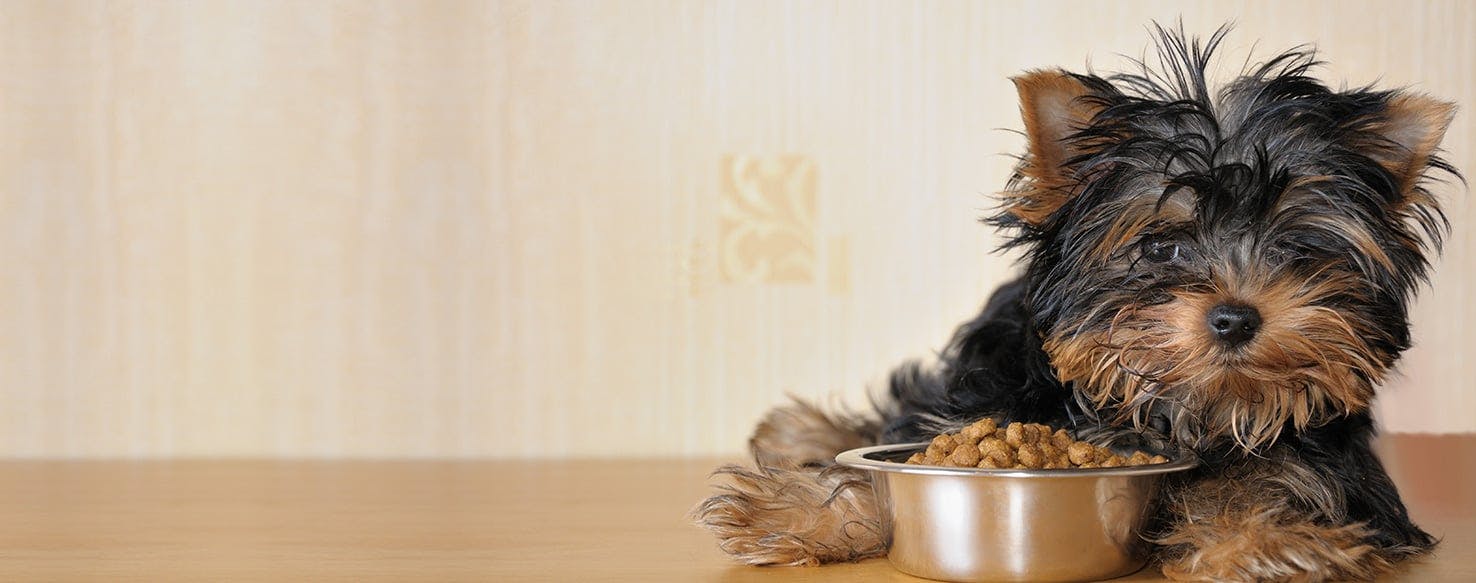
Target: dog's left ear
x,y
1412,125
1054,105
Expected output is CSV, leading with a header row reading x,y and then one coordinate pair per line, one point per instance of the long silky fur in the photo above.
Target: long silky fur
x,y
796,516
805,435
1308,203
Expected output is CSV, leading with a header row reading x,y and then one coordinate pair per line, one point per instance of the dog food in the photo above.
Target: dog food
x,y
1022,446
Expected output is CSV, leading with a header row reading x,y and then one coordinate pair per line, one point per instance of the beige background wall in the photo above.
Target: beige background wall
x,y
554,229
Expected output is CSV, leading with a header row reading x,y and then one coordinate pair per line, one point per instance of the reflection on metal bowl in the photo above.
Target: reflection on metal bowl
x,y
972,524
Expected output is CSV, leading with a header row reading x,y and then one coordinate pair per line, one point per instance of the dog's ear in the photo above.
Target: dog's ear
x,y
1412,126
1054,107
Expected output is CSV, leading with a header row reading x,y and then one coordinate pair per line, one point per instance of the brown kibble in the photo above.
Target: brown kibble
x,y
1004,457
990,445
978,430
1030,456
941,446
1015,434
1061,439
998,450
1033,446
1080,452
966,455
1029,434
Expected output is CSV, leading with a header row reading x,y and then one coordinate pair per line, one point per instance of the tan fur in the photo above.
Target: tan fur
x,y
1414,124
1307,362
1053,108
801,434
1268,519
796,507
1135,219
794,516
1266,545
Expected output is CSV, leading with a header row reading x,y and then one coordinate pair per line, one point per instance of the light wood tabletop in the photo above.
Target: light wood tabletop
x,y
592,520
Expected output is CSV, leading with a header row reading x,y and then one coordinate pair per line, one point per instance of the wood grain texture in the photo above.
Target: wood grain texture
x,y
507,520
495,229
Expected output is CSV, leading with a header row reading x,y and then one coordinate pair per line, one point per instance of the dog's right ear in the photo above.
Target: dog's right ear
x,y
1054,106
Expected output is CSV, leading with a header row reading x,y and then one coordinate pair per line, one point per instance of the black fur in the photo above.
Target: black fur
x,y
994,365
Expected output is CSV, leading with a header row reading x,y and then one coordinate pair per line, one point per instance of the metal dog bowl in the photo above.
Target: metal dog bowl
x,y
973,524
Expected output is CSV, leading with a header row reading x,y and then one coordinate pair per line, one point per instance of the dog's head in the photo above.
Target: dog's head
x,y
1236,260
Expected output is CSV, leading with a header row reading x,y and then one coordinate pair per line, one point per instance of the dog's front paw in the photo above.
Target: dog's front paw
x,y
793,516
1263,546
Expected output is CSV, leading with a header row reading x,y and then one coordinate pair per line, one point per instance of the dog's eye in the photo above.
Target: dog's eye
x,y
1161,251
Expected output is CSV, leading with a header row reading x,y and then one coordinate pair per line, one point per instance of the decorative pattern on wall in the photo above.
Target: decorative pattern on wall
x,y
768,219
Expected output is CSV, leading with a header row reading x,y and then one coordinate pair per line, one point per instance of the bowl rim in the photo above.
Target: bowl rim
x,y
857,458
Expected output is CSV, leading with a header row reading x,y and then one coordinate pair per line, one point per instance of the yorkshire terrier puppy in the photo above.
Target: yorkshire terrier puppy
x,y
1226,271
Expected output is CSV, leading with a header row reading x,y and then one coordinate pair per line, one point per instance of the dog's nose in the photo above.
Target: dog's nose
x,y
1234,325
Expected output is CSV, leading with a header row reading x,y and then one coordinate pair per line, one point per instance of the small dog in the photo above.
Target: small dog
x,y
1225,271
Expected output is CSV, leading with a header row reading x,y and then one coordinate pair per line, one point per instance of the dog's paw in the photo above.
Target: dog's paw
x,y
1261,546
793,517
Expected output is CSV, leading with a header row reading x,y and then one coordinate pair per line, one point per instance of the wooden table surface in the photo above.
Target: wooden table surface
x,y
478,520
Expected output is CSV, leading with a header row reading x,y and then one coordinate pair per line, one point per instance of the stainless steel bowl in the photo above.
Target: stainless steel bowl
x,y
973,524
